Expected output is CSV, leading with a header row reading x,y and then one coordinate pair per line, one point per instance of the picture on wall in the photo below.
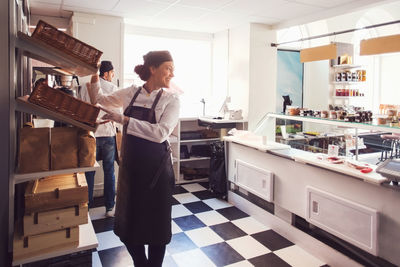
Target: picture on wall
x,y
289,80
289,88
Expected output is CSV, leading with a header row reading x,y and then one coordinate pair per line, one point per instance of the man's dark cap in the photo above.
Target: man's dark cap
x,y
105,66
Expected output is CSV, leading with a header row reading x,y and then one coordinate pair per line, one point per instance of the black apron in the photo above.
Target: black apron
x,y
145,185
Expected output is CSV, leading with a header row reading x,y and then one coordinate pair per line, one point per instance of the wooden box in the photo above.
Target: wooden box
x,y
48,221
54,192
30,246
58,101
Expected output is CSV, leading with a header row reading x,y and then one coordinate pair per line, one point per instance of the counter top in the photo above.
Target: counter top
x,y
306,157
212,120
312,159
255,141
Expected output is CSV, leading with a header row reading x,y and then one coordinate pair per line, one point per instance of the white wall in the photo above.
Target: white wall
x,y
252,71
239,68
220,61
263,67
316,85
58,22
103,32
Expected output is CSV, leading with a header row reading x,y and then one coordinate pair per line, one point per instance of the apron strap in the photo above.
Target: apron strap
x,y
151,113
133,99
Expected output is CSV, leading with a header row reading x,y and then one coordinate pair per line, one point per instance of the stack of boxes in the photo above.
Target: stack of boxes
x,y
55,206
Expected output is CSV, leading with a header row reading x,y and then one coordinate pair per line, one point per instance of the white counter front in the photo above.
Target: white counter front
x,y
297,175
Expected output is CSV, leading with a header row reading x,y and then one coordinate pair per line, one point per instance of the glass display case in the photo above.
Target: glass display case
x,y
371,140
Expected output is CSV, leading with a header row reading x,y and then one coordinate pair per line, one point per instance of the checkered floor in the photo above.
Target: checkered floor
x,y
206,232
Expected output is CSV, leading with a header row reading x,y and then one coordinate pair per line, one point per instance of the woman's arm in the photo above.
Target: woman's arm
x,y
114,100
160,131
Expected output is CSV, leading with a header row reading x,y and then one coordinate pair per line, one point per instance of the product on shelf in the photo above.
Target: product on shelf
x,y
67,44
44,149
58,101
33,153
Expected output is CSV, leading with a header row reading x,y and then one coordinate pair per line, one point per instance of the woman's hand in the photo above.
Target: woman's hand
x,y
114,116
94,79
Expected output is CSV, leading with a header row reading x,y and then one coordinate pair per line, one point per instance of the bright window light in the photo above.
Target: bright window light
x,y
193,66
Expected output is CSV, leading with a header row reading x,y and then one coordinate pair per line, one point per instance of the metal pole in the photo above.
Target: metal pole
x,y
337,33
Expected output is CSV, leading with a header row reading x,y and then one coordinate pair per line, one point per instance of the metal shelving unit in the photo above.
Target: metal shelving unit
x,y
22,47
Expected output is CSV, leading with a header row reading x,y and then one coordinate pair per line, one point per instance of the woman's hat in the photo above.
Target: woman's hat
x,y
155,58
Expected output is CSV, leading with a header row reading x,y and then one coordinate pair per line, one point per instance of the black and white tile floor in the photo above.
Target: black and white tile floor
x,y
206,232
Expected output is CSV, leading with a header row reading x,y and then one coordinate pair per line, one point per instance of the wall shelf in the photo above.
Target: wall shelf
x,y
22,104
349,83
346,66
24,177
40,50
194,159
347,97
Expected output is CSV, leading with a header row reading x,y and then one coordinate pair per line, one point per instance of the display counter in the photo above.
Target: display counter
x,y
349,205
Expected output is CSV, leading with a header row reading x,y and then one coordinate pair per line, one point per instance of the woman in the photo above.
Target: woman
x,y
146,177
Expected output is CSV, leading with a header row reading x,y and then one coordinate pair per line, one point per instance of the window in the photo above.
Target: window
x,y
192,60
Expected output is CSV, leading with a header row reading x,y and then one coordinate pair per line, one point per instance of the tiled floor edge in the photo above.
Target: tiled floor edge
x,y
313,246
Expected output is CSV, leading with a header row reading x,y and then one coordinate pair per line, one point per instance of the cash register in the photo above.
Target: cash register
x,y
390,169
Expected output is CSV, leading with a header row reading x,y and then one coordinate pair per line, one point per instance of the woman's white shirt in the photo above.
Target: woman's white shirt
x,y
166,111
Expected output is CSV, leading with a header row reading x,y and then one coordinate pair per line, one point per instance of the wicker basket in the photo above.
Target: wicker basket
x,y
65,104
67,43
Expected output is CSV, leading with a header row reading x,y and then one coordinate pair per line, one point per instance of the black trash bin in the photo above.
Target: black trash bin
x,y
217,178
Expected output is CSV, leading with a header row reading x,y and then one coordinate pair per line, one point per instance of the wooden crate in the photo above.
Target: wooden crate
x,y
67,44
55,192
48,221
30,246
58,101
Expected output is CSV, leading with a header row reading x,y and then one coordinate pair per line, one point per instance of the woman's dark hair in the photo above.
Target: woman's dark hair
x,y
153,58
143,72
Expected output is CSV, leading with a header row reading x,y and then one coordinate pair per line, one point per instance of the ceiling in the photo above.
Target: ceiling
x,y
205,15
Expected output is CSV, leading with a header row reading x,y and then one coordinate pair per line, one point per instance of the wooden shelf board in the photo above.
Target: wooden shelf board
x,y
25,106
37,49
24,177
87,241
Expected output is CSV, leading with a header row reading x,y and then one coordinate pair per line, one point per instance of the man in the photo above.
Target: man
x,y
105,143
